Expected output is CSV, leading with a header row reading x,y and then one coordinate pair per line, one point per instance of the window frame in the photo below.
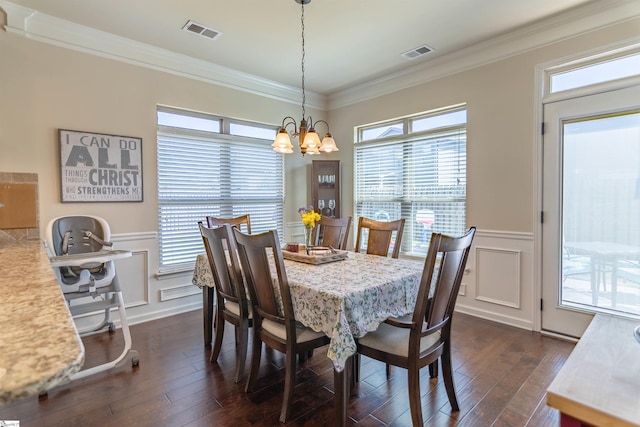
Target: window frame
x,y
549,70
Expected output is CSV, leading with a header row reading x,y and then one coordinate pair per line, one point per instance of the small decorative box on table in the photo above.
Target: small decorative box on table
x,y
316,255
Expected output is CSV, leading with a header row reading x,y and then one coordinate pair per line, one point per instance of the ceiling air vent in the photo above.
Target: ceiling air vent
x,y
194,27
419,51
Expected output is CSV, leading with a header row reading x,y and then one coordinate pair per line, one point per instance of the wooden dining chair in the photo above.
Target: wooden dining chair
x,y
274,325
232,304
332,232
420,339
379,236
236,222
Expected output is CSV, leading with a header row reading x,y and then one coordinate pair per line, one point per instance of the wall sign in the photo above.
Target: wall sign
x,y
97,167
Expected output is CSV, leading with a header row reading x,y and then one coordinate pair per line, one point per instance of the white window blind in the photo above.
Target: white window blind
x,y
419,176
213,174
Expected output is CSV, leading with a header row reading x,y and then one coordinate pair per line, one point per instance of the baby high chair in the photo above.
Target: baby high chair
x,y
79,250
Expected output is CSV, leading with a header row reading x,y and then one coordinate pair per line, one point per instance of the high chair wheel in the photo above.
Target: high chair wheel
x,y
112,327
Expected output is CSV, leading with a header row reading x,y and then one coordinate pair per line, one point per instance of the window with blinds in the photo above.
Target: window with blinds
x,y
204,171
414,168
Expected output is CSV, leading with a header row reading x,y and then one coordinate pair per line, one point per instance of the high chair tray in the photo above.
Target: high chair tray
x,y
78,260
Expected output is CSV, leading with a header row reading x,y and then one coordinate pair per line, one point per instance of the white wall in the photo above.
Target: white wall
x,y
44,88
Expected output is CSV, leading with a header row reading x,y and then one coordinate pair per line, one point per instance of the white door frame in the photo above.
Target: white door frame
x,y
542,96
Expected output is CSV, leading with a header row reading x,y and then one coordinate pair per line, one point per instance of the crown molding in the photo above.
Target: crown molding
x,y
40,27
44,28
583,20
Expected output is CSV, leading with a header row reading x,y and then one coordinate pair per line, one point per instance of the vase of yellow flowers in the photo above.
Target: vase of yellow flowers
x,y
309,219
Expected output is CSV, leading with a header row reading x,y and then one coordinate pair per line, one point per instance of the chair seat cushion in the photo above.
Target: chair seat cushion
x,y
303,333
234,308
395,340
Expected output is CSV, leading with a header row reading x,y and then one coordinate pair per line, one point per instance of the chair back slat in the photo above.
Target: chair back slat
x,y
236,222
257,266
380,236
332,232
447,258
223,261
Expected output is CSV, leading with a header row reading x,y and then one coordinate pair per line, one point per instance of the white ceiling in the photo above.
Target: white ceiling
x,y
347,42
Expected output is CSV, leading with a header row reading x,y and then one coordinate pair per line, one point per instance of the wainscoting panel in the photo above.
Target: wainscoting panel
x,y
499,279
133,274
176,292
498,276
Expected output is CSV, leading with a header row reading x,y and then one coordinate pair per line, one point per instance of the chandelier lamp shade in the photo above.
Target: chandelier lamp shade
x,y
308,139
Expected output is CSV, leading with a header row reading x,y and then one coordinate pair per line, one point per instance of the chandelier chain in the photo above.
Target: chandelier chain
x,y
302,61
308,138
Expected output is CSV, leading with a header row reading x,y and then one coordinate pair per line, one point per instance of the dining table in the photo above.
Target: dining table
x,y
344,299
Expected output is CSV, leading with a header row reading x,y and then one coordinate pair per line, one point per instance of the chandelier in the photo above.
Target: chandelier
x,y
308,138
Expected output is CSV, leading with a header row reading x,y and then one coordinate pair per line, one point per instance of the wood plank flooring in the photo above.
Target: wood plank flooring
x,y
501,375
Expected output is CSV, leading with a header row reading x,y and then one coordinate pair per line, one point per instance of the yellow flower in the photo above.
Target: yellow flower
x,y
309,216
309,219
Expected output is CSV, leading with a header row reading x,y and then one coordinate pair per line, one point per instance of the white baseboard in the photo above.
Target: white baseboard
x,y
495,317
159,314
94,319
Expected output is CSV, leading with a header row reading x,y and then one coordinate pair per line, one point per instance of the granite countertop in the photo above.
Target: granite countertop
x,y
39,344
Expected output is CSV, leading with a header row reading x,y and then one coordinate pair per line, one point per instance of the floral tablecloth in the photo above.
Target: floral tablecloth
x,y
344,299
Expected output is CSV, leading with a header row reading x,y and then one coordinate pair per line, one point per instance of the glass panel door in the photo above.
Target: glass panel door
x,y
601,205
591,202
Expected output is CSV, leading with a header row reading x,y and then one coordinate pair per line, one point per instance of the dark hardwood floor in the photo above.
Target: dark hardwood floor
x,y
501,375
